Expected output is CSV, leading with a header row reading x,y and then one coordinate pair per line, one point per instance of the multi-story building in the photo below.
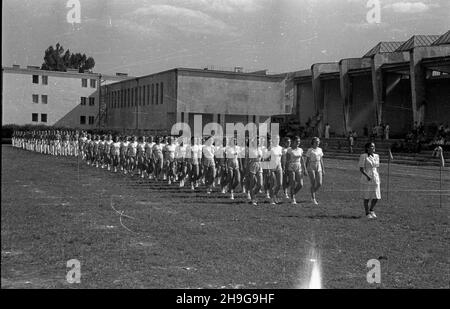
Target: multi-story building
x,y
69,99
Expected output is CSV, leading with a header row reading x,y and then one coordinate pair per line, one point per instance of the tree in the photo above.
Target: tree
x,y
56,60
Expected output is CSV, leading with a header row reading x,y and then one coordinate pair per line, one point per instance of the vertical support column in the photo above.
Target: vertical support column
x,y
324,119
376,87
345,94
417,77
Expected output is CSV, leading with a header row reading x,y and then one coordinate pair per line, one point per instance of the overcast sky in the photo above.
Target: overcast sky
x,y
147,36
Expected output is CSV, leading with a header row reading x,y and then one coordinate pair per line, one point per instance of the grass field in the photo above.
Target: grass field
x,y
54,210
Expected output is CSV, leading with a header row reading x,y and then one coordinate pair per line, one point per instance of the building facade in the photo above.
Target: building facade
x,y
154,103
398,83
68,99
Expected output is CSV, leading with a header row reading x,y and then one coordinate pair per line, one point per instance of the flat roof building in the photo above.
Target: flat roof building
x,y
69,99
156,102
394,82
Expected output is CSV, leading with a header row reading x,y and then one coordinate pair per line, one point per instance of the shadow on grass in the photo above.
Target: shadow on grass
x,y
323,216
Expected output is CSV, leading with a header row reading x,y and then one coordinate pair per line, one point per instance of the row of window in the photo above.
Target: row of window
x,y
44,79
84,100
84,81
91,119
44,98
145,95
35,117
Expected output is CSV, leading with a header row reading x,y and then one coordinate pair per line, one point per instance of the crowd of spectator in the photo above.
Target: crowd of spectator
x,y
420,138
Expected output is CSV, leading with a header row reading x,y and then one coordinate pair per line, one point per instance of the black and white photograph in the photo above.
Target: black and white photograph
x,y
242,146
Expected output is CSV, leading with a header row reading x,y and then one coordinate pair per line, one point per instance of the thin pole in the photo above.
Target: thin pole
x,y
440,186
389,165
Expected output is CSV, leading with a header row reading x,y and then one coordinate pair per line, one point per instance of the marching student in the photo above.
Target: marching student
x,y
57,144
209,165
182,161
163,145
243,167
232,153
75,144
66,144
96,152
131,154
169,160
87,149
149,163
196,154
220,154
141,156
101,151
38,142
123,154
255,172
82,145
314,165
296,168
369,162
158,158
13,139
267,174
276,152
108,158
286,146
115,153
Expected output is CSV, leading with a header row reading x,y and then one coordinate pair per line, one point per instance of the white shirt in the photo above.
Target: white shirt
x,y
196,152
132,148
180,152
232,152
115,149
149,148
170,151
314,155
295,155
370,164
208,151
219,152
255,153
157,150
275,154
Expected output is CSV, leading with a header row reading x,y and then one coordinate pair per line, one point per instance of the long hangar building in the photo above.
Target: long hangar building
x,y
155,102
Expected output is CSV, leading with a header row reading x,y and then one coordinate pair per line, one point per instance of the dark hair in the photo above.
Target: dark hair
x,y
367,146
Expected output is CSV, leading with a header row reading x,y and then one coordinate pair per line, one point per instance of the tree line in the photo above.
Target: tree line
x,y
57,59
